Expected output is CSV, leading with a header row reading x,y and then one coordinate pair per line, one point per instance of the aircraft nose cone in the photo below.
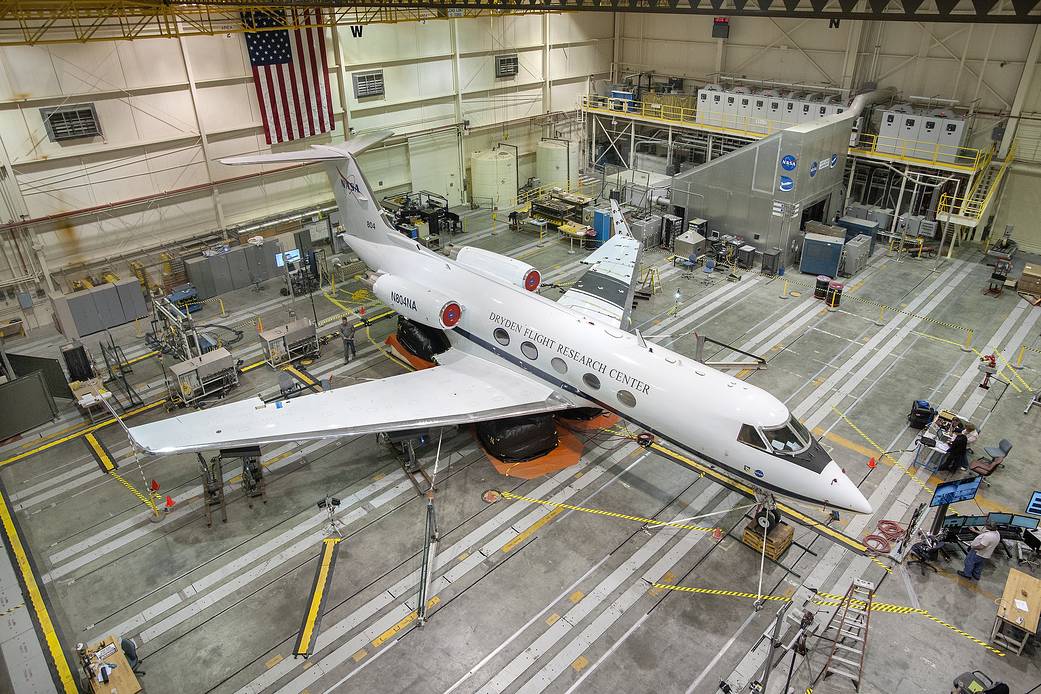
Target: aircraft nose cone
x,y
842,492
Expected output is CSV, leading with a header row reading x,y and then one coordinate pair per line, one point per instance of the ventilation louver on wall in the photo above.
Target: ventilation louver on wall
x,y
368,84
506,65
70,122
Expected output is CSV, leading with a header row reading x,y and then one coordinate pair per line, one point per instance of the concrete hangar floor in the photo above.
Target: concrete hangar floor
x,y
531,598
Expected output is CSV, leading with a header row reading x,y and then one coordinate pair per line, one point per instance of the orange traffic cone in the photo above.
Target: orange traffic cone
x,y
170,502
154,486
717,534
871,463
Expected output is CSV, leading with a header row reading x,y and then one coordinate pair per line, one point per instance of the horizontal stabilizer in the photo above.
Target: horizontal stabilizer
x,y
316,153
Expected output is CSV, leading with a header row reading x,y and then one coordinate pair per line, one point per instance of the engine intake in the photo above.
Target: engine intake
x,y
511,270
418,303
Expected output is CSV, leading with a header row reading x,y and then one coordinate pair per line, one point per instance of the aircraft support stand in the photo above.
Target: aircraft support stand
x,y
426,574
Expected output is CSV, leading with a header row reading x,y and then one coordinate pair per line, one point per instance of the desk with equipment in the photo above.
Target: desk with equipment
x,y
107,668
932,444
1018,611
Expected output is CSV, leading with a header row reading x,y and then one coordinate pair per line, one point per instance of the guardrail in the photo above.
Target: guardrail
x,y
918,152
972,206
911,151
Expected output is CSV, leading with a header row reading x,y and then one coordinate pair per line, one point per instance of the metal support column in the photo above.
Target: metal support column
x,y
849,186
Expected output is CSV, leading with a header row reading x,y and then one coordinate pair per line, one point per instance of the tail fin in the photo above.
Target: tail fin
x,y
362,215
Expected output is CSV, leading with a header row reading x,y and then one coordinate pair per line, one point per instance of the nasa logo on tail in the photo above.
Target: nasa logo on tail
x,y
348,184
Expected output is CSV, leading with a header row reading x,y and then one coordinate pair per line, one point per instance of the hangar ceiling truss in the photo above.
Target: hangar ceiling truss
x,y
30,22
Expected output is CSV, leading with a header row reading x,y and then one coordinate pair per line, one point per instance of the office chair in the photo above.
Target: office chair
x,y
1001,452
975,681
689,263
1033,544
130,651
985,467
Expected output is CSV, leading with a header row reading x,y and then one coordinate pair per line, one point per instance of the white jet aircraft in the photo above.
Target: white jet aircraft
x,y
515,352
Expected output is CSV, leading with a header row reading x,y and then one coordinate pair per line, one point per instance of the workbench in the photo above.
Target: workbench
x,y
121,680
1013,625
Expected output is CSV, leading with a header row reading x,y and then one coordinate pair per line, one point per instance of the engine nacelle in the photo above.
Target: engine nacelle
x,y
418,303
510,270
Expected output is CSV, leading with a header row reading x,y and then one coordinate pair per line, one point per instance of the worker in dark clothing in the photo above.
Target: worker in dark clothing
x,y
956,451
347,335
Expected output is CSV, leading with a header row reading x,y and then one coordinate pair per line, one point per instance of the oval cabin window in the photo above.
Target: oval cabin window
x,y
591,380
626,398
529,350
501,336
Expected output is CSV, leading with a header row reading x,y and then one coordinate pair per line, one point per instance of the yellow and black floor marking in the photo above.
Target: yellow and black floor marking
x,y
799,517
100,453
255,365
881,452
609,514
109,466
832,600
316,603
57,661
301,374
80,432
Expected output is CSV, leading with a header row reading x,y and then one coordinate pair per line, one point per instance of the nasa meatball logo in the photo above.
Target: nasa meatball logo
x,y
348,184
789,162
760,473
813,169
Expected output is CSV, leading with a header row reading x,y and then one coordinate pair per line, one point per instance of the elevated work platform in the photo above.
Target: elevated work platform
x,y
965,160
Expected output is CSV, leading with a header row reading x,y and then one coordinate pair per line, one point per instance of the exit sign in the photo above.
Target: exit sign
x,y
721,27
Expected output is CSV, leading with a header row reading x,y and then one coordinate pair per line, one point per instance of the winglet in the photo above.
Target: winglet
x,y
621,227
316,153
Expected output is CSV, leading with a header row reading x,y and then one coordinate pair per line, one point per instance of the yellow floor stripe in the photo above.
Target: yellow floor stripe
x,y
301,376
250,367
82,432
147,355
100,453
601,512
832,600
319,590
531,530
35,596
390,633
981,500
881,451
731,483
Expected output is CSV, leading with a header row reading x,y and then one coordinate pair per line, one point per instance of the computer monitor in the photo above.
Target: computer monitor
x,y
290,256
955,491
1000,518
1025,522
1034,507
974,521
954,521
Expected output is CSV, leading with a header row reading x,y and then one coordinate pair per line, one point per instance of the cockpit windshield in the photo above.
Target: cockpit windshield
x,y
790,437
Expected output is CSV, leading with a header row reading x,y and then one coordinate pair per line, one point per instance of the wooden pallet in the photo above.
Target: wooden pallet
x,y
778,540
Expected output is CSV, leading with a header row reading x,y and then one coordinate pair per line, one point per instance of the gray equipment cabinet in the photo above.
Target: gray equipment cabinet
x,y
289,342
210,375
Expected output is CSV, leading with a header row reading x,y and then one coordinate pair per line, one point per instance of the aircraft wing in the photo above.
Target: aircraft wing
x,y
463,389
604,292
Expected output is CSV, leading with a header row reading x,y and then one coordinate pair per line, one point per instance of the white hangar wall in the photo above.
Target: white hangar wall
x,y
169,109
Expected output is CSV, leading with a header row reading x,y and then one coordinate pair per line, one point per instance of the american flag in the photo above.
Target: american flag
x,y
290,73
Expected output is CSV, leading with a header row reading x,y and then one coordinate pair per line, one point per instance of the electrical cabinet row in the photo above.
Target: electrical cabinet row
x,y
935,135
95,309
744,108
240,267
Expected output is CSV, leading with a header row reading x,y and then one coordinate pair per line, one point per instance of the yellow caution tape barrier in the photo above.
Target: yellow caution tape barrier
x,y
609,514
832,600
881,451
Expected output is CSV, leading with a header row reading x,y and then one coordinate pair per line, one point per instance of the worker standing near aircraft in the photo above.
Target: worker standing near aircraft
x,y
347,335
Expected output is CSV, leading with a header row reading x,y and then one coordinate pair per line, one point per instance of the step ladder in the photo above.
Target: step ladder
x,y
847,631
